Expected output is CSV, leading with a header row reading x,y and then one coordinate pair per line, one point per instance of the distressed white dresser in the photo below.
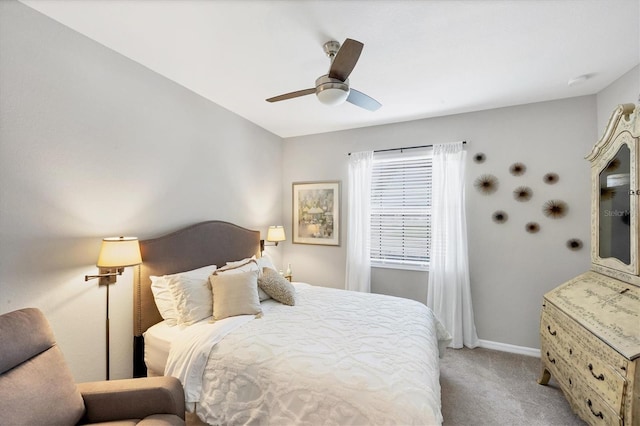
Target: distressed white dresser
x,y
590,325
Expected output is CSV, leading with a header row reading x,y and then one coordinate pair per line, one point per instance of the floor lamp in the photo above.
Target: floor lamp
x,y
116,254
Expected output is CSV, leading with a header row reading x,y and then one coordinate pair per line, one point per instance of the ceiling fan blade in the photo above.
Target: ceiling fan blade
x,y
363,101
345,59
292,95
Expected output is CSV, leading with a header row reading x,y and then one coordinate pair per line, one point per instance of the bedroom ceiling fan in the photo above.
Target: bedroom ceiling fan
x,y
333,88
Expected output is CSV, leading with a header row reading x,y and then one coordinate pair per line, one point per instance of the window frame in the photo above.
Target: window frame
x,y
420,158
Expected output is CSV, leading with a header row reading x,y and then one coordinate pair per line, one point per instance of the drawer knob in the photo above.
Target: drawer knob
x,y
553,333
552,360
600,377
598,414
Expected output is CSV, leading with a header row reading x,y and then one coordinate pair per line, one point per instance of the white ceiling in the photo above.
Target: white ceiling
x,y
420,59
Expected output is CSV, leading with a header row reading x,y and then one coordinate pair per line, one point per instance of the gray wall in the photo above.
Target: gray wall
x,y
93,144
510,269
625,90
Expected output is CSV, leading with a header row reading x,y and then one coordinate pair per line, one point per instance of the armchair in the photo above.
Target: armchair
x,y
36,386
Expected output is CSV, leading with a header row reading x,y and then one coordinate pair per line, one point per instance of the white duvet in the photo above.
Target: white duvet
x,y
336,358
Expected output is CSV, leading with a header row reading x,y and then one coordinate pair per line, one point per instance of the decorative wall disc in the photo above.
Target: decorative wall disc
x,y
551,178
607,193
517,169
522,193
500,216
555,209
486,184
574,244
613,165
532,227
479,157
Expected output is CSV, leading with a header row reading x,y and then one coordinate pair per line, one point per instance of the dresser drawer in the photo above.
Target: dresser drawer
x,y
581,338
583,399
587,357
591,407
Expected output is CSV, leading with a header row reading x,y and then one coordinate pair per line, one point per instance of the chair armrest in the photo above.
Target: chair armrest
x,y
132,398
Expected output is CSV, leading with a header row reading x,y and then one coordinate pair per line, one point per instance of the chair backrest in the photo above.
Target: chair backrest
x,y
36,386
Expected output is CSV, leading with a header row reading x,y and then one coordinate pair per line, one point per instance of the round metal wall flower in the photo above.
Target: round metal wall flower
x,y
500,216
613,165
551,178
555,209
607,193
486,184
532,227
574,244
517,169
522,193
479,157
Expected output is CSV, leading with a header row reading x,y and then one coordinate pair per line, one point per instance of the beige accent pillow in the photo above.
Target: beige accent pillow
x,y
235,294
277,286
248,264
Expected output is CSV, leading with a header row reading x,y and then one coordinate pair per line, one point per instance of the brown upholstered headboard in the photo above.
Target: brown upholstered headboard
x,y
207,243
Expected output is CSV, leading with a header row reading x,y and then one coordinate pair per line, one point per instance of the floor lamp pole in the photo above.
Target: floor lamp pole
x,y
107,335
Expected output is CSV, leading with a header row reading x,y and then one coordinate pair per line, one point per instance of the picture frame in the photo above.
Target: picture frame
x,y
316,213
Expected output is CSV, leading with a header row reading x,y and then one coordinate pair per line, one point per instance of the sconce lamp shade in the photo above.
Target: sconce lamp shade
x,y
118,252
276,234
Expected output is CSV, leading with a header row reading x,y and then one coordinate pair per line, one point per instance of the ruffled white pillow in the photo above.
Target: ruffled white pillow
x,y
166,300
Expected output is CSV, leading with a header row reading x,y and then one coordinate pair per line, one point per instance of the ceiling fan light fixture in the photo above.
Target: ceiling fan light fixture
x,y
333,87
331,91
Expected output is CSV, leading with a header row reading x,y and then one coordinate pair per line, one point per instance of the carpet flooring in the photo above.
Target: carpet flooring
x,y
485,387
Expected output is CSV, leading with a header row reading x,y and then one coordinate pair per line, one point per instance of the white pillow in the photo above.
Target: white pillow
x,y
192,297
265,262
164,300
235,294
163,297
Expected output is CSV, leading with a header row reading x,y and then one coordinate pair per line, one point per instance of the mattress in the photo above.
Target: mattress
x,y
157,343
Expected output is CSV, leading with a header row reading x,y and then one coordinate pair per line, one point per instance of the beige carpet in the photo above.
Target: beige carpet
x,y
485,387
481,387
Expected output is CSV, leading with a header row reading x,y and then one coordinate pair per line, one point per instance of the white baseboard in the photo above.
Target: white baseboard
x,y
505,347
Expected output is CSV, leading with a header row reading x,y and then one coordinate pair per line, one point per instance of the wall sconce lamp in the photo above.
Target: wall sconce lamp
x,y
275,234
116,253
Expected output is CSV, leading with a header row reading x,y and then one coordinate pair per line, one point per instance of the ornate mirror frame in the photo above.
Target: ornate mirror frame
x,y
622,131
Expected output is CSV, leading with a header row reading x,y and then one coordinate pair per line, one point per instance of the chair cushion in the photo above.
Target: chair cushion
x,y
23,335
36,387
154,420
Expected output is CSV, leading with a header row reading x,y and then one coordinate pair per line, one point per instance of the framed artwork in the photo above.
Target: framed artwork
x,y
316,213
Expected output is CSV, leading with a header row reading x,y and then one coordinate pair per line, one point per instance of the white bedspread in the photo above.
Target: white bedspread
x,y
336,358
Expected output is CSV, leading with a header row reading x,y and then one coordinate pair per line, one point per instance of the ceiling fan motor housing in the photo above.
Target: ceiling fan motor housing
x,y
331,91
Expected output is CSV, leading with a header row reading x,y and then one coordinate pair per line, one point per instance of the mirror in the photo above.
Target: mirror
x,y
615,208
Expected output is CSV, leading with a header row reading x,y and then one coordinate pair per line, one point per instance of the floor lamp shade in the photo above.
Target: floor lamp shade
x,y
119,252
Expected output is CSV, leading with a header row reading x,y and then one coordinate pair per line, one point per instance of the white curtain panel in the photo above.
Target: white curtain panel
x,y
358,275
449,291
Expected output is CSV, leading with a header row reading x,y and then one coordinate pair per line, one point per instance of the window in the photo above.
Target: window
x,y
401,210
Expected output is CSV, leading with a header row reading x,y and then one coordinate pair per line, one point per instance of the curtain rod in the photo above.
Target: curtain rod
x,y
407,147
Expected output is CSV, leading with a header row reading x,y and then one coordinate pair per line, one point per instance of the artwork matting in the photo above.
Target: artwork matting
x,y
316,213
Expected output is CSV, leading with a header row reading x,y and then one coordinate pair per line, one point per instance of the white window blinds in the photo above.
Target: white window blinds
x,y
401,209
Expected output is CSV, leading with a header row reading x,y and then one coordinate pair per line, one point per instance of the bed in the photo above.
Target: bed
x,y
334,357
